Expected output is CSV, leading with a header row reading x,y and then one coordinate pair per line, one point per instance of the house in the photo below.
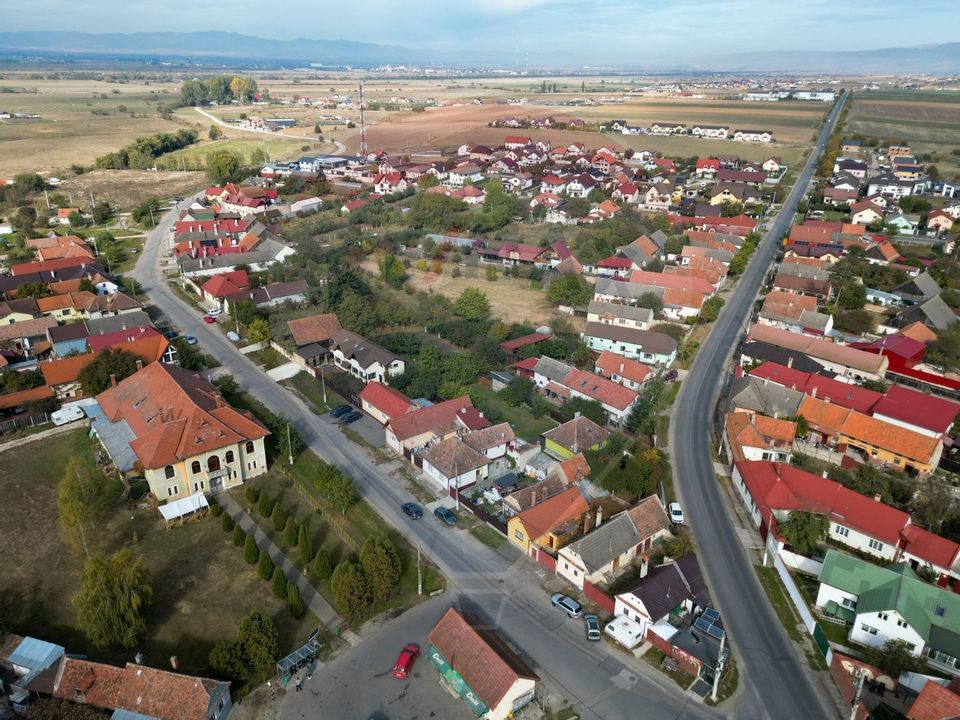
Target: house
x,y
856,168
454,465
313,336
916,411
220,286
936,701
118,303
383,402
574,436
716,132
629,373
903,223
136,692
407,434
67,339
753,136
940,221
270,294
177,427
863,523
934,313
526,497
643,345
755,437
18,310
707,167
495,441
362,358
63,215
59,246
749,394
389,183
845,395
918,289
67,307
797,285
891,603
848,362
620,315
794,312
352,206
673,588
548,524
615,399
463,175
479,667
27,338
612,546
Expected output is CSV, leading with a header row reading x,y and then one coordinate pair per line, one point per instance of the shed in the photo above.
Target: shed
x,y
185,506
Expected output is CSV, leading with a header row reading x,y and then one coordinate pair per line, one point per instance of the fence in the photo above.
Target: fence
x,y
544,558
801,563
591,591
23,421
481,514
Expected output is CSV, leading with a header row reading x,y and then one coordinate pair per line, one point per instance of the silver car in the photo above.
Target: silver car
x,y
570,606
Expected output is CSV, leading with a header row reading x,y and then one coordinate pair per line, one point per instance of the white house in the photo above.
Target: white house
x,y
362,358
716,132
753,136
675,586
460,176
617,314
452,464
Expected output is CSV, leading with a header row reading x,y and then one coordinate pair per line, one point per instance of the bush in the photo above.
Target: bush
x,y
491,273
251,494
265,566
216,510
322,567
304,543
278,583
251,553
294,601
351,592
290,533
278,517
265,505
239,536
226,522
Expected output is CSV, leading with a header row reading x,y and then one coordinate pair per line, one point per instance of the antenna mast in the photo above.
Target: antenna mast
x,y
363,127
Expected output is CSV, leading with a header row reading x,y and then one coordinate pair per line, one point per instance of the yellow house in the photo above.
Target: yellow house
x,y
66,307
574,436
891,444
548,524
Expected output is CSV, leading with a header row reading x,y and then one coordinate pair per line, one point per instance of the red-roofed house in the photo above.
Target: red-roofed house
x,y
623,370
409,433
677,282
707,167
616,399
756,437
548,524
936,702
224,284
845,395
383,402
511,346
388,183
773,490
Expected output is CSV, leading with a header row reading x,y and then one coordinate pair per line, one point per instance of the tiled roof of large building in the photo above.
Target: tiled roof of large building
x,y
388,400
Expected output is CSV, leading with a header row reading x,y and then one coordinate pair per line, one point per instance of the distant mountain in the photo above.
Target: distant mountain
x,y
198,45
934,59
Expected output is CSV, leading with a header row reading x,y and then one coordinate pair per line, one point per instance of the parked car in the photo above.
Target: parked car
x,y
190,340
233,337
408,656
340,410
446,516
171,334
676,513
351,417
591,625
672,375
209,320
215,312
570,606
67,415
412,511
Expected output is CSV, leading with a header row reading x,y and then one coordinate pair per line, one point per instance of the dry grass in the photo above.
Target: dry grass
x,y
128,188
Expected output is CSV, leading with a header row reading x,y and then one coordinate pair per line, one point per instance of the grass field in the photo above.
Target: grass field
x,y
523,422
273,148
125,189
202,587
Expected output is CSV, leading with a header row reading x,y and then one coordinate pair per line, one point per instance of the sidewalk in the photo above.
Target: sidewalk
x,y
313,600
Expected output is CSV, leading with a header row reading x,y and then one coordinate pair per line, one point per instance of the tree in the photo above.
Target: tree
x,y
223,166
804,531
101,213
35,290
250,656
348,585
358,313
381,565
933,502
392,271
945,350
651,301
264,566
682,544
570,289
305,543
24,218
251,553
336,487
518,392
265,505
113,364
588,408
710,310
56,709
244,311
226,522
472,304
83,496
856,322
738,263
278,518
294,601
259,330
215,133
239,537
290,532
322,566
289,442
113,598
427,181
577,207
491,273
278,584
853,296
643,415
895,657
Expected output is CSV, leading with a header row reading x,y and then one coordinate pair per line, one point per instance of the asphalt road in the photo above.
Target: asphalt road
x,y
341,149
767,657
500,586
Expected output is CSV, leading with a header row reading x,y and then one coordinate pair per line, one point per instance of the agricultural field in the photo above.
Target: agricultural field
x,y
125,189
928,121
273,148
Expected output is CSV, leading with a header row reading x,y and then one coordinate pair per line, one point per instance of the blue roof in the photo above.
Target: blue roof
x,y
35,654
115,437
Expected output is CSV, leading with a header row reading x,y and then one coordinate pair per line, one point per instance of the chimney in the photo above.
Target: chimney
x,y
824,474
139,364
644,566
599,516
586,523
113,380
576,415
138,658
173,661
533,498
877,497
790,361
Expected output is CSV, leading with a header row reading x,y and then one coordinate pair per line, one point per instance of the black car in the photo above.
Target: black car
x,y
412,510
350,417
340,410
171,334
672,375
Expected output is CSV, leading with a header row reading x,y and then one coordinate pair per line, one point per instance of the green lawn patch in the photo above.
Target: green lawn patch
x,y
524,424
488,536
267,358
776,593
655,657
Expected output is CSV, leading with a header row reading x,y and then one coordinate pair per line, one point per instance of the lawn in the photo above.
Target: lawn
x,y
524,424
274,148
202,587
777,595
267,358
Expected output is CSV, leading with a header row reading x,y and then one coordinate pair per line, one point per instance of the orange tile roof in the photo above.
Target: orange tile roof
x,y
781,297
683,298
434,417
610,363
540,519
599,388
823,416
919,332
175,414
65,370
316,328
390,401
759,431
77,300
575,468
935,702
893,438
15,399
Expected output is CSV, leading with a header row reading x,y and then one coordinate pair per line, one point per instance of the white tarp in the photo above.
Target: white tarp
x,y
178,508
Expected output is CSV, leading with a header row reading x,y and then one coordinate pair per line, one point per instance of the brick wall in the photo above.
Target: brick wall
x,y
598,596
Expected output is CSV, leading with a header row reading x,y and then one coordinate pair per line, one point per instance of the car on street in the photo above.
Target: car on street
x,y
570,606
412,511
591,626
209,320
445,515
408,656
350,417
190,340
676,513
340,410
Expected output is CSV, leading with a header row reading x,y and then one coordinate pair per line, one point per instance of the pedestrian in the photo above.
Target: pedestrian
x,y
299,684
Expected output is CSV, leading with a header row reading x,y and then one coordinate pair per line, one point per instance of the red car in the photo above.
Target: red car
x,y
408,656
209,320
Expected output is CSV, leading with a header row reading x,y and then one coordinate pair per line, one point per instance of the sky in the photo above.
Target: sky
x,y
604,31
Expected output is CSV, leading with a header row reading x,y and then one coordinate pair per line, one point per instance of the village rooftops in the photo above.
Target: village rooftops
x,y
490,437
820,349
650,342
424,420
452,457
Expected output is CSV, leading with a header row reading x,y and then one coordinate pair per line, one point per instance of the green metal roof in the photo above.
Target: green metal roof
x,y
933,612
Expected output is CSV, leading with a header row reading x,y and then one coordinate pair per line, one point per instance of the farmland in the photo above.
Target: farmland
x,y
125,189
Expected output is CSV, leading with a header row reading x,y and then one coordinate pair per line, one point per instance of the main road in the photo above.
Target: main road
x,y
767,657
505,588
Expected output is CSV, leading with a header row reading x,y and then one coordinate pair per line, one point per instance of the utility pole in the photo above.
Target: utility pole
x,y
719,670
46,197
858,687
323,383
419,575
363,127
289,446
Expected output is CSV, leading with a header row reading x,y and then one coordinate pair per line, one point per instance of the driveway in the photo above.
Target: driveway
x,y
372,432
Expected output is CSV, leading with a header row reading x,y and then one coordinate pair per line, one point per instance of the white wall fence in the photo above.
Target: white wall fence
x,y
801,563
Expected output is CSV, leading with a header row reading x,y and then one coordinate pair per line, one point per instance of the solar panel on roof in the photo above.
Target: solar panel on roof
x,y
716,632
711,615
702,624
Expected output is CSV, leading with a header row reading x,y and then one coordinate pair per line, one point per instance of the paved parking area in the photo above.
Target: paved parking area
x,y
366,427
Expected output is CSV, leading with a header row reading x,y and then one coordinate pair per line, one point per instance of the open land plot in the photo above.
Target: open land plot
x,y
126,189
202,586
689,146
274,148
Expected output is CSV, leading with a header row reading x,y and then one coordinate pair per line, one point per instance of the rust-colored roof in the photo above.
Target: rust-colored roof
x,y
175,414
649,517
490,437
610,364
77,300
90,683
65,370
578,434
316,328
919,332
823,416
683,298
600,389
479,655
545,516
434,417
935,702
758,431
16,399
28,328
575,468
890,437
389,401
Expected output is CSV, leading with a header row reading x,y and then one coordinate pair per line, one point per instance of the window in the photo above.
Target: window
x,y
249,447
575,573
901,623
883,616
841,531
848,603
566,566
173,490
868,629
169,472
518,534
195,467
213,463
875,545
228,457
198,486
